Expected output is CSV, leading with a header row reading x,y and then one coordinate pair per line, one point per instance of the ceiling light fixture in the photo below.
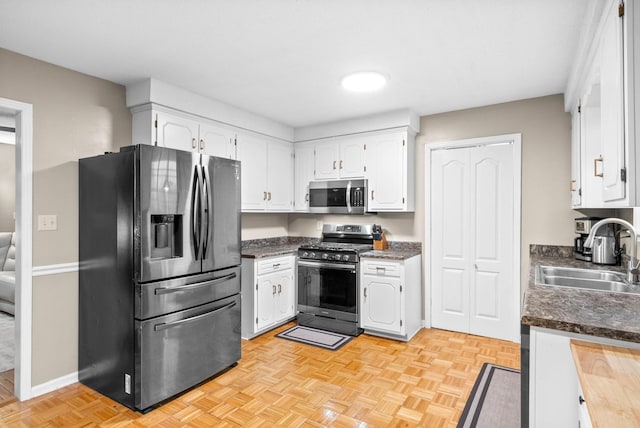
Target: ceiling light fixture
x,y
364,81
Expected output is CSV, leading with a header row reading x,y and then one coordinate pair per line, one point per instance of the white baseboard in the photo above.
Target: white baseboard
x,y
54,384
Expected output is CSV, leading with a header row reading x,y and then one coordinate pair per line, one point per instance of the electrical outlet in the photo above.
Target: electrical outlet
x,y
318,225
48,222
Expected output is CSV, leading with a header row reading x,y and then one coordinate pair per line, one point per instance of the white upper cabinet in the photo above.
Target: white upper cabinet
x,y
339,157
612,106
603,99
390,171
267,173
181,131
303,173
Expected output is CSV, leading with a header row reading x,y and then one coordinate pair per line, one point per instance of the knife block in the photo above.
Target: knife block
x,y
381,244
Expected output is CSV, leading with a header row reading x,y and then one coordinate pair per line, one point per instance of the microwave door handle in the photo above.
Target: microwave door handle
x,y
195,212
349,197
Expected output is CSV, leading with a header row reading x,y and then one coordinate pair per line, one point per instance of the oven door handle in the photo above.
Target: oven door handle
x,y
327,265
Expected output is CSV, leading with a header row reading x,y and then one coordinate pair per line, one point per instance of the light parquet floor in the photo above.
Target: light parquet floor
x,y
370,382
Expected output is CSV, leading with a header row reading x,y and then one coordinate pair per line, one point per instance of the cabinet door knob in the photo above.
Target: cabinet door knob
x,y
193,143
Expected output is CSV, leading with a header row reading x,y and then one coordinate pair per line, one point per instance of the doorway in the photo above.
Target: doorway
x,y
473,236
23,114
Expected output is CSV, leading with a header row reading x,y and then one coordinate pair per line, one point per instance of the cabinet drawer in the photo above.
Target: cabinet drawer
x,y
274,264
381,268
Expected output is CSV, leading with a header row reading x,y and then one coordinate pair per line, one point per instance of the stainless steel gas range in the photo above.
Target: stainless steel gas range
x,y
329,278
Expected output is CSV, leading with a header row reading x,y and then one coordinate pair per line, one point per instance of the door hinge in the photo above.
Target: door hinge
x,y
365,147
621,10
155,123
403,200
365,168
235,141
623,174
256,320
401,288
256,286
400,323
403,141
580,192
579,109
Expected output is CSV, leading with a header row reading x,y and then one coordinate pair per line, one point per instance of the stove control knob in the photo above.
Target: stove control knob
x,y
313,255
336,257
325,256
345,257
305,254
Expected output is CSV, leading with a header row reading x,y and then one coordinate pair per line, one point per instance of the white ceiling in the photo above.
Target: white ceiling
x,y
284,59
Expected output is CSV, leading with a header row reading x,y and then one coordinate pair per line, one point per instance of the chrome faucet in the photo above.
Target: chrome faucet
x,y
633,271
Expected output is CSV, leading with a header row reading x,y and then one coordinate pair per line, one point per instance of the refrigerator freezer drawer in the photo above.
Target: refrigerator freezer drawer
x,y
162,297
178,351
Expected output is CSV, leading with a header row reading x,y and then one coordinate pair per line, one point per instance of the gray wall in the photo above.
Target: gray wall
x,y
74,116
7,187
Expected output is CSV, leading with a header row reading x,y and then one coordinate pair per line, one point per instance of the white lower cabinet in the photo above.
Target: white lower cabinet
x,y
554,388
268,294
390,297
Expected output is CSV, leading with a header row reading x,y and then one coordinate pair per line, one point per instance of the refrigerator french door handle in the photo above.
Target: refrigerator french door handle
x,y
195,212
187,287
206,213
164,326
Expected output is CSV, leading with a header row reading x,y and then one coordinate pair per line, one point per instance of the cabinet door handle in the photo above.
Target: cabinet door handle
x,y
201,144
595,166
334,164
365,292
571,188
340,164
268,196
381,268
264,198
372,198
279,288
580,399
306,197
274,290
193,143
276,265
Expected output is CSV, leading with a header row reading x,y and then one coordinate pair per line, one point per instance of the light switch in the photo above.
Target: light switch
x,y
48,222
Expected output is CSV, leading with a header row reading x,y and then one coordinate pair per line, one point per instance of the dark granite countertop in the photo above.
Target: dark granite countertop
x,y
397,251
271,247
596,313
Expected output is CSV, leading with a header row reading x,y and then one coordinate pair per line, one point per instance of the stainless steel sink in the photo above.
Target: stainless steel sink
x,y
584,278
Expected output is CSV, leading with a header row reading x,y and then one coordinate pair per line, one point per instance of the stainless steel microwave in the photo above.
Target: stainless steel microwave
x,y
338,197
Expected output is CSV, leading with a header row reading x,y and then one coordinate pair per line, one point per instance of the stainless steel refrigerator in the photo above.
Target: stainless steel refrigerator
x,y
159,280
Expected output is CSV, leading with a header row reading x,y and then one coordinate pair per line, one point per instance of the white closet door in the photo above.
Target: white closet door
x,y
449,235
491,270
472,218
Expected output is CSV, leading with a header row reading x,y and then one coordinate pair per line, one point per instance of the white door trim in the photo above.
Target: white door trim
x,y
516,139
24,243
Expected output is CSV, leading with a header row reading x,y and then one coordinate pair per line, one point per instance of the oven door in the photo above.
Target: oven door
x,y
328,289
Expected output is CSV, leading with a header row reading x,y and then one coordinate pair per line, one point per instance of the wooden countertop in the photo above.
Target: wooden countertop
x,y
610,380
